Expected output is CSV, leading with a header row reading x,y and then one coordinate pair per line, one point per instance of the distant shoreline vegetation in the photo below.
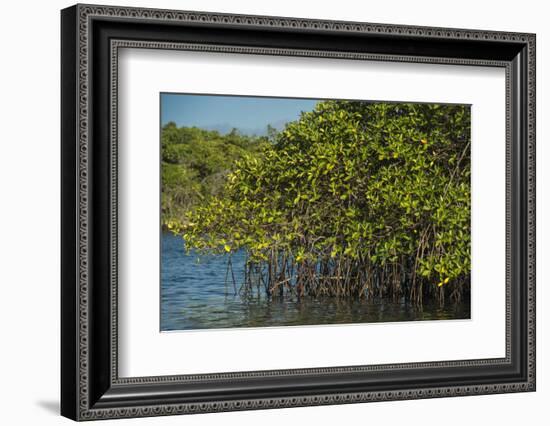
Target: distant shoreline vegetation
x,y
353,199
196,162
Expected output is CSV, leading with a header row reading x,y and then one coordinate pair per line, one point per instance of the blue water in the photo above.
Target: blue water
x,y
194,295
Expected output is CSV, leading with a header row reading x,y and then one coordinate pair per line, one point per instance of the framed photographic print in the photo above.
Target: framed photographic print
x,y
263,212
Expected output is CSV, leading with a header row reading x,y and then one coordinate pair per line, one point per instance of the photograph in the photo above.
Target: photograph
x,y
283,211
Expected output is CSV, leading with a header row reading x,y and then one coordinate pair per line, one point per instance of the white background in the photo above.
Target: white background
x,y
29,225
146,352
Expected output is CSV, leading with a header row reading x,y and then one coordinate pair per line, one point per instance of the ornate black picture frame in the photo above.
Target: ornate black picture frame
x,y
91,387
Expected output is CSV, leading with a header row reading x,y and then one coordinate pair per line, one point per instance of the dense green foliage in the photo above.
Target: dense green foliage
x,y
352,199
195,163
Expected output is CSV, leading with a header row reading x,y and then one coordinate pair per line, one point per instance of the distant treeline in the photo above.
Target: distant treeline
x,y
195,163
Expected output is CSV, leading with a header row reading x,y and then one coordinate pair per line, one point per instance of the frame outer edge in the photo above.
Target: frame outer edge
x,y
69,221
531,200
83,89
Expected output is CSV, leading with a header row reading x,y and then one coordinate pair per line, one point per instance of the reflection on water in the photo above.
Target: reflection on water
x,y
194,296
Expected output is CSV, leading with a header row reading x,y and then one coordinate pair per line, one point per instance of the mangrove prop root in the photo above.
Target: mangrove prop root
x,y
282,275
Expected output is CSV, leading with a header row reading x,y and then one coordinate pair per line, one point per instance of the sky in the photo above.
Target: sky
x,y
250,115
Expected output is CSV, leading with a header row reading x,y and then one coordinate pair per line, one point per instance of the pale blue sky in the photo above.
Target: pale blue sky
x,y
248,114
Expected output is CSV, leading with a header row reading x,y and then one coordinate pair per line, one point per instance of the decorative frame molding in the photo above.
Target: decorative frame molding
x,y
91,388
